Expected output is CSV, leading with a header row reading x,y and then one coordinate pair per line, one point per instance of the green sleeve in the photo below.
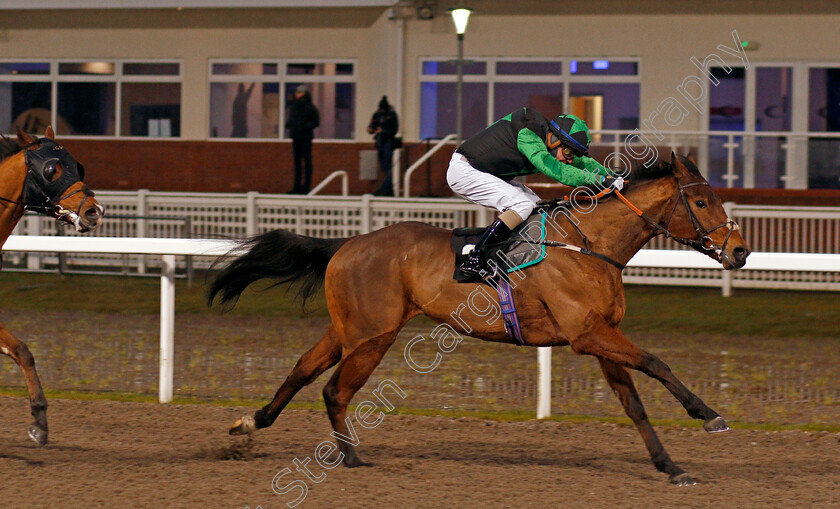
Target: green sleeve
x,y
537,153
590,165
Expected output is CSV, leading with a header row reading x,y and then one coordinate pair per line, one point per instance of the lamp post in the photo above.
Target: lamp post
x,y
460,16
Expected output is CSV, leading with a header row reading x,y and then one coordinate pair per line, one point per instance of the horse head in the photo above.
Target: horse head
x,y
54,184
699,220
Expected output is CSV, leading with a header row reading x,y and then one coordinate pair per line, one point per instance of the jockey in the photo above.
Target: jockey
x,y
482,169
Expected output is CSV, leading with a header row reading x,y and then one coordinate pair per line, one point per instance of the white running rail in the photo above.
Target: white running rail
x,y
170,248
167,248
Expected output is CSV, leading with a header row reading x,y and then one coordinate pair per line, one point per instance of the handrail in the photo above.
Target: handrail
x,y
716,133
345,185
423,159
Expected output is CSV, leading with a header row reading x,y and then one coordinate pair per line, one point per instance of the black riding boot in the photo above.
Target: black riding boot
x,y
498,231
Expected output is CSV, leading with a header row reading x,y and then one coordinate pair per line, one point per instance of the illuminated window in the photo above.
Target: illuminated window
x,y
605,93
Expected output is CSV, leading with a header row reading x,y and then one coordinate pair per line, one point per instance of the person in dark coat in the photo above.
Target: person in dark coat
x,y
303,119
384,126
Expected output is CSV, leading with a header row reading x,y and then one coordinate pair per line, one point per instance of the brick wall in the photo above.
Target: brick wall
x,y
266,167
211,166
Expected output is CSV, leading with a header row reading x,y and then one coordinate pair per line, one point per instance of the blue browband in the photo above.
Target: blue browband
x,y
575,145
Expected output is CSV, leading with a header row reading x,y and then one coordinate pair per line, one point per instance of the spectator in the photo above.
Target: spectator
x,y
303,119
384,126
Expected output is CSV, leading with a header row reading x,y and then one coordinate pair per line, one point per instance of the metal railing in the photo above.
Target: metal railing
x,y
237,216
756,159
419,162
345,183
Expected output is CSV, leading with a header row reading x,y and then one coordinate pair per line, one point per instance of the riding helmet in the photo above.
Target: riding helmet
x,y
573,133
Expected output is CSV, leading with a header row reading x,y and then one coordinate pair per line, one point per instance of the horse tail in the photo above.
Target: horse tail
x,y
278,254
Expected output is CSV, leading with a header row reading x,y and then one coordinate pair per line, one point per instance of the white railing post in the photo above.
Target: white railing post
x,y
251,212
142,197
543,382
33,227
396,162
167,327
366,214
730,147
726,279
485,216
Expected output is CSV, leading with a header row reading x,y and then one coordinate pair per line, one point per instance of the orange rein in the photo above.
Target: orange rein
x,y
605,192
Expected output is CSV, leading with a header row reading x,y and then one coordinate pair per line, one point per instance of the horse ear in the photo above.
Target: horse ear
x,y
679,168
691,158
49,133
23,138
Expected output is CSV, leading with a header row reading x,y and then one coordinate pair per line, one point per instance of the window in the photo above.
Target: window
x,y
246,101
824,117
92,98
605,93
770,149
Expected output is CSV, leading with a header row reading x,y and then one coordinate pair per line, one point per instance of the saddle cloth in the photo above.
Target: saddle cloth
x,y
522,249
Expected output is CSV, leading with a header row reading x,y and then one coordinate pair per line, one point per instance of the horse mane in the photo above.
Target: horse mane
x,y
659,169
8,147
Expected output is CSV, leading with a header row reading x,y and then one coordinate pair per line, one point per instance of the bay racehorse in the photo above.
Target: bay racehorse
x,y
40,175
377,282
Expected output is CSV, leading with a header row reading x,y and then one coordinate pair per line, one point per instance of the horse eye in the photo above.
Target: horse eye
x,y
49,172
700,204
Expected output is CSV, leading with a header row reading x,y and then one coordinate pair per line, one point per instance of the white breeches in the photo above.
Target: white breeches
x,y
488,190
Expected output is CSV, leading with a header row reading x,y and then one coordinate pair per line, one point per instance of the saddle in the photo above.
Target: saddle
x,y
522,249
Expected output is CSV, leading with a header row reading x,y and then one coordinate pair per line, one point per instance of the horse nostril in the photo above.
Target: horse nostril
x,y
92,214
741,253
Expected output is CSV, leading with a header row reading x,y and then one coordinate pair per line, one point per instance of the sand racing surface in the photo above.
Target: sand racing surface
x,y
114,454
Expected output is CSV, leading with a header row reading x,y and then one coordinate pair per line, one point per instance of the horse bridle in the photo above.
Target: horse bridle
x,y
39,193
703,234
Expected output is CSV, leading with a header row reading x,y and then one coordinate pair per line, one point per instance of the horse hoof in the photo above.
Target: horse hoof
x,y
683,479
356,462
243,426
38,435
716,425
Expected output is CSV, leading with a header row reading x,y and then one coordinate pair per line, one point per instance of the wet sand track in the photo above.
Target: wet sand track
x,y
113,454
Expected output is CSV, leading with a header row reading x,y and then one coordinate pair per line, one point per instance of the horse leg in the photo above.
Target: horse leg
x,y
321,357
352,373
18,351
622,384
610,343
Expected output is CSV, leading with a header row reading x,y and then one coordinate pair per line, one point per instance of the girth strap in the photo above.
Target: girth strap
x,y
509,315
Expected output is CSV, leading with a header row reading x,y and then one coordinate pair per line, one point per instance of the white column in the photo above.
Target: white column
x,y
366,214
167,327
142,196
726,282
251,211
544,382
33,227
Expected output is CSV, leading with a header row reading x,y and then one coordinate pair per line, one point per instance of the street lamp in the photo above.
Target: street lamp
x,y
460,16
